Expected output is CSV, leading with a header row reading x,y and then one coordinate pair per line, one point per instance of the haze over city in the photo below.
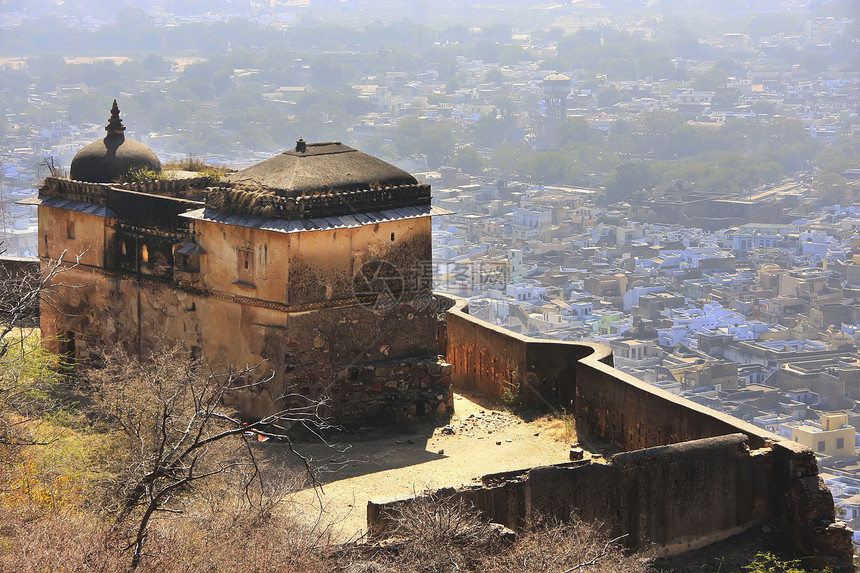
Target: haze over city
x,y
676,180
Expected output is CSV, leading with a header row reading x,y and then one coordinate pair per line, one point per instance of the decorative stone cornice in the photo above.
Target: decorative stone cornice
x,y
317,204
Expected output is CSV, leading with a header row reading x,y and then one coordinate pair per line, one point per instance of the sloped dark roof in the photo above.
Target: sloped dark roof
x,y
319,167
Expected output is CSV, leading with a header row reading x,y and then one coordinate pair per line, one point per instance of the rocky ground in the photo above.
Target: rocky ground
x,y
480,438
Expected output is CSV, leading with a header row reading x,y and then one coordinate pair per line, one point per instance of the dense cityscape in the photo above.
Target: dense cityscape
x,y
690,199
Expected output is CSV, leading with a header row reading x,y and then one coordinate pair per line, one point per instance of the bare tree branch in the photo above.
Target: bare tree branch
x,y
597,557
172,413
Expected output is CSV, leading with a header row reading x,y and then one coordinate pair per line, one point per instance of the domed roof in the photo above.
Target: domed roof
x,y
556,78
318,167
108,160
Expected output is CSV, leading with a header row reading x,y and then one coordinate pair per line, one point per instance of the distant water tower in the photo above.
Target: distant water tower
x,y
556,88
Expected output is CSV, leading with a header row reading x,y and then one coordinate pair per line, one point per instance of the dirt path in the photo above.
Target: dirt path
x,y
479,439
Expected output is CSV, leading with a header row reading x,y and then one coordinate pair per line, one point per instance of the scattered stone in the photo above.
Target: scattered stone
x,y
503,533
441,452
537,433
448,430
509,440
576,454
498,443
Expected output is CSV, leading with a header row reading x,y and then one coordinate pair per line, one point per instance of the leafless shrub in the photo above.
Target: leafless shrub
x,y
50,166
227,540
40,542
27,373
23,287
573,545
176,435
436,522
446,534
430,533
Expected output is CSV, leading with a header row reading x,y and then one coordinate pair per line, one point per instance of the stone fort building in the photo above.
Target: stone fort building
x,y
313,265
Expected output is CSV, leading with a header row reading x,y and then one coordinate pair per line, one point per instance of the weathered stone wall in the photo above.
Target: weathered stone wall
x,y
394,392
632,414
296,307
678,456
305,352
628,494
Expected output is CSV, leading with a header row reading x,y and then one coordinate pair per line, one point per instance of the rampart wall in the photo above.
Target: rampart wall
x,y
628,493
687,475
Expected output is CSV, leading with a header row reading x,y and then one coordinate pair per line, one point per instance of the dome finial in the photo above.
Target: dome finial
x,y
301,146
114,126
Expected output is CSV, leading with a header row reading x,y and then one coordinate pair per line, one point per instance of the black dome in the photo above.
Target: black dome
x,y
108,160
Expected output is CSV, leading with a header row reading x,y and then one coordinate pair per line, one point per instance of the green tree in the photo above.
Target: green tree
x,y
491,129
408,136
437,142
837,158
468,160
628,178
611,95
711,79
577,131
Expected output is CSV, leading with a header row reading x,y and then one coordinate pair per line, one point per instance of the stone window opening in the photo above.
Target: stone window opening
x,y
392,237
144,254
70,229
821,446
840,443
186,257
245,273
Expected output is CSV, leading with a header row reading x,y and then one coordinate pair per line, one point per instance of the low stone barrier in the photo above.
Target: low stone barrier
x,y
687,476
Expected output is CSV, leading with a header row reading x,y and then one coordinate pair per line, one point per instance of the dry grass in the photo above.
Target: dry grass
x,y
226,541
222,530
559,427
56,513
192,163
435,535
570,546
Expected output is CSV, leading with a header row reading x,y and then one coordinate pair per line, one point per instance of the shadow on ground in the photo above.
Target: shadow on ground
x,y
363,452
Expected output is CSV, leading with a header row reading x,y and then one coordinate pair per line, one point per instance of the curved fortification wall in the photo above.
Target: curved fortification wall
x,y
685,476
